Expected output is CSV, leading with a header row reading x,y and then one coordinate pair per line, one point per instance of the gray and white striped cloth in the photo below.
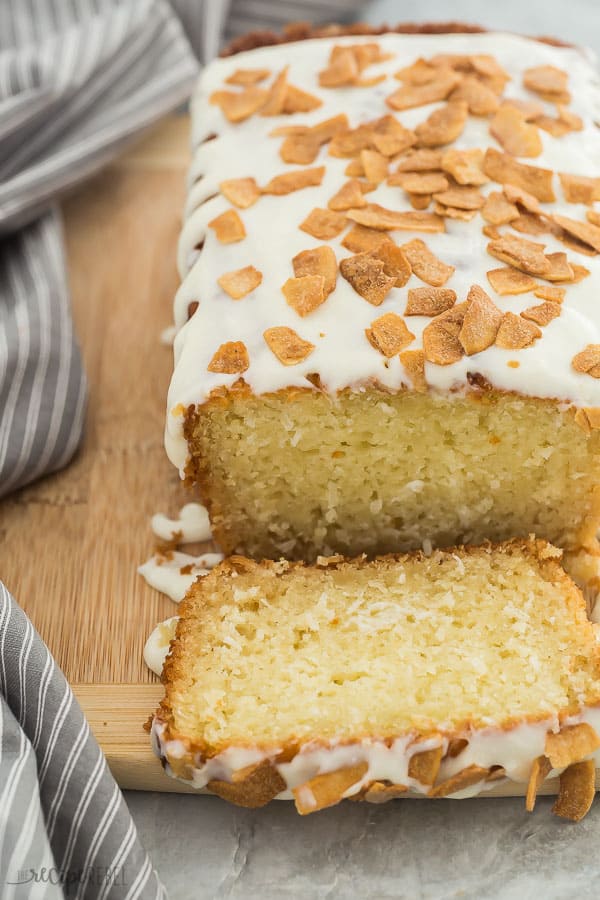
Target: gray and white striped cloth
x,y
78,78
64,827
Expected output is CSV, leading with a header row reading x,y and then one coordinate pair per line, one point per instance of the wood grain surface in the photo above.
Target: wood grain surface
x,y
71,543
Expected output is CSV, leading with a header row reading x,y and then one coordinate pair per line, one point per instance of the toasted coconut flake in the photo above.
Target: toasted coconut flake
x,y
469,776
239,105
317,261
375,216
390,137
539,772
375,165
420,72
440,338
302,147
422,160
410,95
365,272
497,210
465,166
461,197
548,81
381,792
583,231
571,744
425,264
395,263
560,268
522,198
297,100
531,109
419,182
370,82
565,115
579,273
230,359
443,125
588,361
481,322
305,294
342,71
419,201
557,127
543,313
273,105
489,69
553,294
248,76
352,142
481,100
528,223
456,746
241,282
453,212
424,767
429,301
252,787
413,362
355,169
228,227
576,791
516,333
492,232
242,192
361,238
571,242
389,334
509,281
287,345
504,169
327,790
349,196
517,136
527,256
324,224
294,181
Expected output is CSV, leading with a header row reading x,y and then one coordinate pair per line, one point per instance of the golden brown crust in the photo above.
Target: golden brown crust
x,y
302,31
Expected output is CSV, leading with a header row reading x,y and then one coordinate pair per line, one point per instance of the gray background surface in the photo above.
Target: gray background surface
x,y
469,849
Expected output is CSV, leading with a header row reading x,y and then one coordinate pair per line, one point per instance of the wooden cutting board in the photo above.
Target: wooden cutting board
x,y
70,544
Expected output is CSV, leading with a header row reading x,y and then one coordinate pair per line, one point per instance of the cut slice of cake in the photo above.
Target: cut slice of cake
x,y
438,675
389,327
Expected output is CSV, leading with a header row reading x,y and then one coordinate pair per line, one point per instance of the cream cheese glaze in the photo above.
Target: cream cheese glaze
x,y
514,749
175,573
342,356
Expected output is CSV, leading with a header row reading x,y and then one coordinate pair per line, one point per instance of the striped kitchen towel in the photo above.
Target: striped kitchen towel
x,y
65,830
77,79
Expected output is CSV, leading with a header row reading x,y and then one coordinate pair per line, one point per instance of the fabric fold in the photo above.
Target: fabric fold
x,y
63,820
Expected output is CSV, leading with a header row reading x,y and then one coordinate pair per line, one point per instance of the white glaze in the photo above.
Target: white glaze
x,y
192,524
167,335
164,572
157,645
343,357
514,749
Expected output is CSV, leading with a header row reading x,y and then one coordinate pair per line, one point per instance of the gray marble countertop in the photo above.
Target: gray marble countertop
x,y
468,849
